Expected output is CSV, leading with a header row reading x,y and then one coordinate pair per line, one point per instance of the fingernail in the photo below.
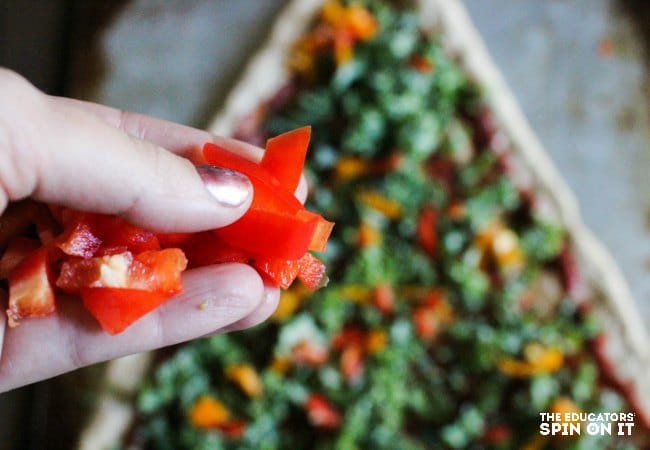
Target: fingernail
x,y
229,188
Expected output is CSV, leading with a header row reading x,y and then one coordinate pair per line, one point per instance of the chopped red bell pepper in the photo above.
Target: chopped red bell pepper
x,y
268,193
350,335
425,323
17,250
30,288
85,233
308,353
120,270
383,297
173,239
271,234
114,231
282,272
206,248
156,271
233,429
322,232
351,363
285,156
276,225
115,308
79,239
321,414
312,272
427,235
99,271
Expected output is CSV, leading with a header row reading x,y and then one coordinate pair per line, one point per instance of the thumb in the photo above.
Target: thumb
x,y
63,155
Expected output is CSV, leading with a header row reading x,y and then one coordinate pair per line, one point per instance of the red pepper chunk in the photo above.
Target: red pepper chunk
x,y
206,248
85,233
30,288
312,272
285,155
282,272
159,271
270,234
122,271
79,240
156,271
276,224
15,253
322,232
351,363
427,236
321,414
233,429
116,308
268,194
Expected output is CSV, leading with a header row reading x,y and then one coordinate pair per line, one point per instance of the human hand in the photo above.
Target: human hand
x,y
95,158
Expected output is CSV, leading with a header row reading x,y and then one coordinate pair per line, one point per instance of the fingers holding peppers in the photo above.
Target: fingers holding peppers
x,y
122,271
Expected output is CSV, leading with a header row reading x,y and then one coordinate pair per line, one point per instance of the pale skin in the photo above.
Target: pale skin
x,y
96,158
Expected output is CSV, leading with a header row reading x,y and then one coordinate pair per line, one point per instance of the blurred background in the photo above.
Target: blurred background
x,y
580,69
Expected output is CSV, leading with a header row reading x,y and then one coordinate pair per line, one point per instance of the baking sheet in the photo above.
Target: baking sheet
x,y
614,300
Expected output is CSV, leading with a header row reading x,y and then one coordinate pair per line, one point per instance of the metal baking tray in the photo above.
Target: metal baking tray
x,y
626,345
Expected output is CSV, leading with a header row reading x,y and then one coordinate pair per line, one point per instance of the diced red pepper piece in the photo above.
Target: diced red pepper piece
x,y
425,322
156,271
383,297
321,414
115,231
119,269
312,272
276,224
352,362
219,156
99,271
79,240
427,235
173,239
113,250
322,233
85,233
270,234
206,248
309,353
16,251
348,336
115,308
233,429
30,288
285,155
268,194
421,63
280,272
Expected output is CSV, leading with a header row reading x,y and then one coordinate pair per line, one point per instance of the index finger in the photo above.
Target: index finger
x,y
180,139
